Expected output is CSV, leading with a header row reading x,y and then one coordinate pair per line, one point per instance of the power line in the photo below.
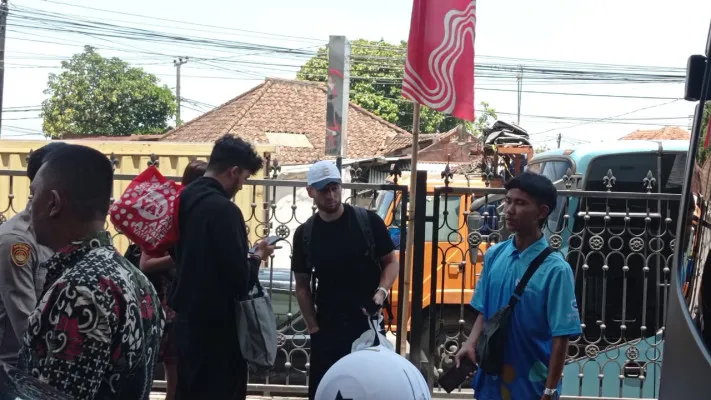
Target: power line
x,y
609,118
88,27
184,22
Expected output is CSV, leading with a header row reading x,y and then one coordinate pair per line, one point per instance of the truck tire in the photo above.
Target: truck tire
x,y
448,339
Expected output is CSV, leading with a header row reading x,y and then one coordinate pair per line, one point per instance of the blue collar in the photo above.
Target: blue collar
x,y
531,252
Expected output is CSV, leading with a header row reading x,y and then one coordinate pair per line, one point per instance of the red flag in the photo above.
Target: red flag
x,y
439,70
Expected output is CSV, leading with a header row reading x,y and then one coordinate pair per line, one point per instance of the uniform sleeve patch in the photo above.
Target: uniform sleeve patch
x,y
20,254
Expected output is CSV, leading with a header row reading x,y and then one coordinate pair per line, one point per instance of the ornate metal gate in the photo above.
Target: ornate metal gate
x,y
620,247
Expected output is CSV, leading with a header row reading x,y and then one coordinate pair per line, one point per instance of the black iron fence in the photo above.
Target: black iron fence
x,y
276,207
619,245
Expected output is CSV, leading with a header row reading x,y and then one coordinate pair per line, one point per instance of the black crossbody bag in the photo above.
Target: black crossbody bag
x,y
492,340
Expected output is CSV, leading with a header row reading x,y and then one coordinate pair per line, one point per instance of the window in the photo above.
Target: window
x,y
447,229
554,170
629,170
382,204
449,226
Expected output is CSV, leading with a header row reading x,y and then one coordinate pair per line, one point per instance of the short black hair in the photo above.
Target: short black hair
x,y
232,151
36,158
537,186
84,176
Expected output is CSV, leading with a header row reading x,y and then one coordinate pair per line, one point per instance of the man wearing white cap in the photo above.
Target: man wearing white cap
x,y
348,251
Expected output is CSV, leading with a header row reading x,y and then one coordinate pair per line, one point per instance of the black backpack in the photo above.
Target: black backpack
x,y
363,220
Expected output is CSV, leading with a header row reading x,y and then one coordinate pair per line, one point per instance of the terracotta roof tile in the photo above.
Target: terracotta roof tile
x,y
403,141
668,133
293,107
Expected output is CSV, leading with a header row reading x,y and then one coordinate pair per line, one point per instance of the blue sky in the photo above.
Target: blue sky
x,y
634,32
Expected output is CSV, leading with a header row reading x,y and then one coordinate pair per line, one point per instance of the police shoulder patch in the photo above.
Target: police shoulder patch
x,y
20,254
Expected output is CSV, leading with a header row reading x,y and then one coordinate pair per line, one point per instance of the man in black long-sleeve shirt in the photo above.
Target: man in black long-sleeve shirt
x,y
214,270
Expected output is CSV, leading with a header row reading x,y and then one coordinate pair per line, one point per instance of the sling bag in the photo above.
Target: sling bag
x,y
492,340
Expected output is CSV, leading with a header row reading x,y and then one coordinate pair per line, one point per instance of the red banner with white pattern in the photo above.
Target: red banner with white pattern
x,y
439,70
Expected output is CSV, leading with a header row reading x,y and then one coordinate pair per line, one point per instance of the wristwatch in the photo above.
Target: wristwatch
x,y
382,289
551,392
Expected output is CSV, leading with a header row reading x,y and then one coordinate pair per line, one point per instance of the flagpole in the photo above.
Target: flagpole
x,y
405,306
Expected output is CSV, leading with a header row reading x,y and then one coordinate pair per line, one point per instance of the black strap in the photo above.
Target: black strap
x,y
529,273
363,220
307,228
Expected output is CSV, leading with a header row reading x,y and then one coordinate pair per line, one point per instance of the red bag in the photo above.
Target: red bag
x,y
147,212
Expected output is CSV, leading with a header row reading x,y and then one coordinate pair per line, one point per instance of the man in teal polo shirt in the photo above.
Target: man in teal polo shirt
x,y
547,314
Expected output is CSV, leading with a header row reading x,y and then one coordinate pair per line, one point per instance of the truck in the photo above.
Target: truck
x,y
461,264
620,249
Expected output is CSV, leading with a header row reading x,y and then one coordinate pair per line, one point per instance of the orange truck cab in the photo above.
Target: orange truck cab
x,y
461,265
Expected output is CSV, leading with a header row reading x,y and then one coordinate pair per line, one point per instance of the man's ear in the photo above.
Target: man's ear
x,y
55,203
311,191
543,211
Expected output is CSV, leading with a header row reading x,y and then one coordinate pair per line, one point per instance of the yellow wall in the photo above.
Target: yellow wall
x,y
132,158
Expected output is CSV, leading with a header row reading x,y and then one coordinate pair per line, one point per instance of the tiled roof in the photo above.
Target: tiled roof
x,y
668,133
403,141
289,107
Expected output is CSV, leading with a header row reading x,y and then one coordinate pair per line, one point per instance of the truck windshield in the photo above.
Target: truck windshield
x,y
630,169
448,223
382,204
554,170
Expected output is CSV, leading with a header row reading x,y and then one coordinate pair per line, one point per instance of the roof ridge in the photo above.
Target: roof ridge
x,y
265,88
297,81
322,86
192,121
351,103
371,114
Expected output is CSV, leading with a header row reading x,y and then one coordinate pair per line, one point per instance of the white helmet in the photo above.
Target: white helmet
x,y
375,373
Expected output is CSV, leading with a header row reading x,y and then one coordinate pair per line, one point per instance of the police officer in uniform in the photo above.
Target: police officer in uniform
x,y
21,278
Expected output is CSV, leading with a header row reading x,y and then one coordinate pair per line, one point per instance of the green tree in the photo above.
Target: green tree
x,y
486,116
94,95
376,84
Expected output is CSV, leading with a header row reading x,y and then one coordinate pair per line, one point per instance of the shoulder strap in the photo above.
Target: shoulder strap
x,y
529,273
363,220
306,236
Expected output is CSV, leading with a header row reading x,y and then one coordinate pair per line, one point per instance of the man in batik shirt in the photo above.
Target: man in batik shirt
x,y
96,331
21,278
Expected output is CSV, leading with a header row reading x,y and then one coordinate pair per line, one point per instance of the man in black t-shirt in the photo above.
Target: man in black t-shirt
x,y
348,280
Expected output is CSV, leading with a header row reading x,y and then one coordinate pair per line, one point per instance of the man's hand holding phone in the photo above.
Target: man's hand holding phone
x,y
265,247
468,351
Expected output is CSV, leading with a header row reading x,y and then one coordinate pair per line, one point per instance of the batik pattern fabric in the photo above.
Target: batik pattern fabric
x,y
95,333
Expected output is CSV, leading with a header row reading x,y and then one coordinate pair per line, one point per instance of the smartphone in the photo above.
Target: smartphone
x,y
454,377
272,240
371,308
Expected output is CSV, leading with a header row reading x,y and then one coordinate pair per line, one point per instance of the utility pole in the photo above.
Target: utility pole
x,y
519,84
560,137
3,31
180,61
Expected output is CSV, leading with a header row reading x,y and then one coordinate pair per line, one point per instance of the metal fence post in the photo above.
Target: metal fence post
x,y
430,350
401,298
418,269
